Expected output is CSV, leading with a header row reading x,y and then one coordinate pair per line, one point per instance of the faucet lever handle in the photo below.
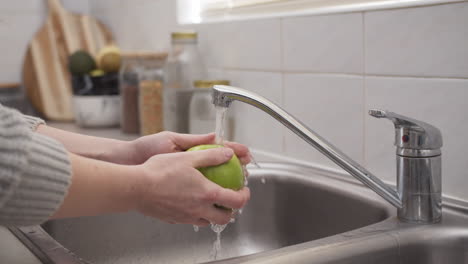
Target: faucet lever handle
x,y
412,137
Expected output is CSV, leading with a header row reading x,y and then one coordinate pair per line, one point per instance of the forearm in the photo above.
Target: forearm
x,y
98,187
88,146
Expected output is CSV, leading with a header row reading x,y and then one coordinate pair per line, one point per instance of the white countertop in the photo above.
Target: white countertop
x,y
12,249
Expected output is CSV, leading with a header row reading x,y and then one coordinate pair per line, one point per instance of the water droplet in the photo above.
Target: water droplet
x,y
263,180
254,162
246,173
196,228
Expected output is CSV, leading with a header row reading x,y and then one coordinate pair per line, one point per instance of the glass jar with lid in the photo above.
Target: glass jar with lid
x,y
202,117
151,93
184,66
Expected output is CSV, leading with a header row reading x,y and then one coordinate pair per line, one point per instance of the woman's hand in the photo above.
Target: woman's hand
x,y
173,190
145,147
137,151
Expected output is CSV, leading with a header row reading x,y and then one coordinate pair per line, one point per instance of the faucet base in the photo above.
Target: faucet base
x,y
420,187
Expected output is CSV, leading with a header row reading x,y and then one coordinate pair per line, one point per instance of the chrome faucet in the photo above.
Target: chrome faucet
x,y
418,196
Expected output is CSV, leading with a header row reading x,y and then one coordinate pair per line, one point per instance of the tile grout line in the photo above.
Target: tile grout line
x,y
283,90
348,74
364,91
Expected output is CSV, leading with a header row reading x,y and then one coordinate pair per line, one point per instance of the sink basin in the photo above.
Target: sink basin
x,y
289,206
387,242
296,215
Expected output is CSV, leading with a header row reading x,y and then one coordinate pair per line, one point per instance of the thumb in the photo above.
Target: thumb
x,y
209,157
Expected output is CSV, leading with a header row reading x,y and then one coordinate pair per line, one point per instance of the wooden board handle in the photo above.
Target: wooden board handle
x,y
64,19
55,6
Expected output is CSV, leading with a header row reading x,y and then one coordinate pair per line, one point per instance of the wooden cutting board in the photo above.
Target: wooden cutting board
x,y
45,68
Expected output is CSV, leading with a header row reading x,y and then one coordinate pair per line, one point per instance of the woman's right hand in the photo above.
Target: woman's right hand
x,y
172,189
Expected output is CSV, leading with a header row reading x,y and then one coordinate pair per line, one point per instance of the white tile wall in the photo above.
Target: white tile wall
x,y
328,70
243,45
140,24
250,122
426,41
330,105
332,43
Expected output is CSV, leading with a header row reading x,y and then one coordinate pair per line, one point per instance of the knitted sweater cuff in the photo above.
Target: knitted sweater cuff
x,y
33,122
43,186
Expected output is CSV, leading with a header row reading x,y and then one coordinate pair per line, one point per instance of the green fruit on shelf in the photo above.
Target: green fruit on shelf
x,y
81,62
228,175
109,59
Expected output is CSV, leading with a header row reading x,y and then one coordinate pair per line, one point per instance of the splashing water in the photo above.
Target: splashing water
x,y
217,244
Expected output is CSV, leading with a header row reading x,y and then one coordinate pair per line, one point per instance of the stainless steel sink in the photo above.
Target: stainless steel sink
x,y
387,242
289,206
296,215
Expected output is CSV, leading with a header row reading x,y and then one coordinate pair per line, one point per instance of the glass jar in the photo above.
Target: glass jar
x,y
202,114
184,66
128,87
151,93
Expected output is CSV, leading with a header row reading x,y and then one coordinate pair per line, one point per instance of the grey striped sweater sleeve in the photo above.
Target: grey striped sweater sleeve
x,y
35,171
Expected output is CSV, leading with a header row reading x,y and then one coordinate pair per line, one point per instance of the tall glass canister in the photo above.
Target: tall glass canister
x,y
184,65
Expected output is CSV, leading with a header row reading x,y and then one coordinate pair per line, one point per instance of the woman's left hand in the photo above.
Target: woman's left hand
x,y
145,147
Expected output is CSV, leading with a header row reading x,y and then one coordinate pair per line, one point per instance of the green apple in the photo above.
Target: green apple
x,y
228,175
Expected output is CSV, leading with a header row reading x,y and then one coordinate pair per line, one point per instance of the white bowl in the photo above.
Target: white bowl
x,y
97,110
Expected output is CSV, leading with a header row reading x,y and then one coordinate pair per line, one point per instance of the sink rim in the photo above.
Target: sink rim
x,y
48,250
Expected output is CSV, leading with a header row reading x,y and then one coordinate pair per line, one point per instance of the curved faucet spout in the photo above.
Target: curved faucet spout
x,y
224,95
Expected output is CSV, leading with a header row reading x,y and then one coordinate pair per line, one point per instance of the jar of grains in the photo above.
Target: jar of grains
x,y
151,93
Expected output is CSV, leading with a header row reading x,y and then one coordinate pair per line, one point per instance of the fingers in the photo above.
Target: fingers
x,y
186,141
201,222
241,151
218,216
233,199
209,157
229,199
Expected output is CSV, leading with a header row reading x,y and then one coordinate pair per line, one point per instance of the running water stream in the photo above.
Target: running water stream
x,y
220,131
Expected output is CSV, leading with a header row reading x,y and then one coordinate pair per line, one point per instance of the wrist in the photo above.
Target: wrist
x,y
131,186
118,151
137,185
136,149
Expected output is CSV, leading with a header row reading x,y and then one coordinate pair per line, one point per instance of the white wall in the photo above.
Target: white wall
x,y
138,24
19,21
328,71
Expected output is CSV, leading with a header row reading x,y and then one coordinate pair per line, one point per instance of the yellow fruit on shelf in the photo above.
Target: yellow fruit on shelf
x,y
109,59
